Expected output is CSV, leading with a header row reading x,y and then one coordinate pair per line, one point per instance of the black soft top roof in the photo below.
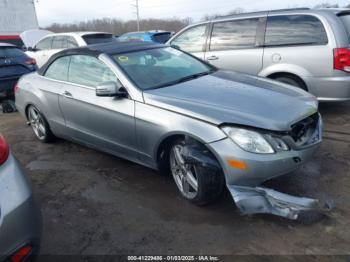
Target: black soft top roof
x,y
98,49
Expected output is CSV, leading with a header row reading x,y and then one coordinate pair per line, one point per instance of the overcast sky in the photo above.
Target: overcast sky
x,y
66,11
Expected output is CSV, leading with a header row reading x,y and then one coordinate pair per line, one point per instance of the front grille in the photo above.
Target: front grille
x,y
303,130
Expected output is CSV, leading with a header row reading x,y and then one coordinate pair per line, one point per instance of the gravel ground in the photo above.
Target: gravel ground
x,y
97,204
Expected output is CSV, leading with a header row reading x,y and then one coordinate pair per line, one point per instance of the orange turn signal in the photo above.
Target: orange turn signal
x,y
237,164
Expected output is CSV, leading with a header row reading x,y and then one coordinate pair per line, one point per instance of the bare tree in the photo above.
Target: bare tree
x,y
118,27
326,5
237,10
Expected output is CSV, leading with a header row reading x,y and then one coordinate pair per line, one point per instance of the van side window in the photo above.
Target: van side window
x,y
234,34
295,30
44,44
71,43
59,42
192,40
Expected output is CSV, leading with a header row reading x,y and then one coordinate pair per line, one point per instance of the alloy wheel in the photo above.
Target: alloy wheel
x,y
37,123
184,174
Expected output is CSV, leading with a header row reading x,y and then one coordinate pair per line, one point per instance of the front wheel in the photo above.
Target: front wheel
x,y
39,125
195,182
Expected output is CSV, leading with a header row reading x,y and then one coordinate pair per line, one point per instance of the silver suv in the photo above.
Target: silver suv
x,y
302,47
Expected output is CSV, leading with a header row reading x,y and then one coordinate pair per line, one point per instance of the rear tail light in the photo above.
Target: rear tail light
x,y
342,59
22,254
30,61
4,150
16,88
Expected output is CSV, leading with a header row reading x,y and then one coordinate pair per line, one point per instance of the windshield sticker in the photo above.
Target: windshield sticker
x,y
123,58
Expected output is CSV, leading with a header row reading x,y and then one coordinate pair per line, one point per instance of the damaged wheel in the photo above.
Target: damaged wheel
x,y
196,181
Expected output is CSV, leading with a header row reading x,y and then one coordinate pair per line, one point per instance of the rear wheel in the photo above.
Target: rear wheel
x,y
291,80
39,125
196,183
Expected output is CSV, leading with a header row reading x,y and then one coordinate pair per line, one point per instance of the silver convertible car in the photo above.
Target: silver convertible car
x,y
168,110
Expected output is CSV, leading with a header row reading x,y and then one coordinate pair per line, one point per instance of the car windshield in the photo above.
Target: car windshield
x,y
9,52
160,67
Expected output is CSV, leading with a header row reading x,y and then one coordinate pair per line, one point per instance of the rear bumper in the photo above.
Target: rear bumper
x,y
20,218
331,89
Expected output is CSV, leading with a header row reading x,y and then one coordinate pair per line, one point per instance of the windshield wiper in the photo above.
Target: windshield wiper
x,y
184,79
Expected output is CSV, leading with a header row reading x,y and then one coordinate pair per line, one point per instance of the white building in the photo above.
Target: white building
x,y
16,16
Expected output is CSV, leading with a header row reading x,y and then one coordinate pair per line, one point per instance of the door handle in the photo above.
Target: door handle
x,y
213,57
67,94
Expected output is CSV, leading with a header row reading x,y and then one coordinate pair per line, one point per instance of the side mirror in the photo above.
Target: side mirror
x,y
109,89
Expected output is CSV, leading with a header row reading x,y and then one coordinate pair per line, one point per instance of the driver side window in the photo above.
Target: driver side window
x,y
89,71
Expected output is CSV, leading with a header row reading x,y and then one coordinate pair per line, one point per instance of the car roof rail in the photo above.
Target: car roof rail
x,y
264,11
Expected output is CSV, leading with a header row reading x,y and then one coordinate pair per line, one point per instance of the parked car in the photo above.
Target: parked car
x,y
301,47
13,64
20,218
168,110
53,43
148,36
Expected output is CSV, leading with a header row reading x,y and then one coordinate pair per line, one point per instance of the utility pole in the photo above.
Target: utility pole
x,y
136,6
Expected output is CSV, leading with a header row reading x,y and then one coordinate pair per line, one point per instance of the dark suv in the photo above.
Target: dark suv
x,y
13,64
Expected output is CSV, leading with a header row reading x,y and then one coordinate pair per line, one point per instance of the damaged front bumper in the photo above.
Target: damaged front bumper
x,y
257,200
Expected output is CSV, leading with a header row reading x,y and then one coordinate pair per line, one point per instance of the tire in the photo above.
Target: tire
x,y
200,185
8,106
39,125
291,80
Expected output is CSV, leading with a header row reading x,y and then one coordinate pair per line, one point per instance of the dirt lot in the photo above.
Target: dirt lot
x,y
94,203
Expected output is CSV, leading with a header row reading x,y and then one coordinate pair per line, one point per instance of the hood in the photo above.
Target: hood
x,y
234,98
31,37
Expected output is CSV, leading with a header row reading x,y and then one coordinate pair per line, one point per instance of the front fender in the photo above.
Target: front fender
x,y
154,125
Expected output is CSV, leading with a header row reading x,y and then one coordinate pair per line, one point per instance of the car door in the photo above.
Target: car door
x,y
192,40
237,45
292,43
106,123
40,51
50,86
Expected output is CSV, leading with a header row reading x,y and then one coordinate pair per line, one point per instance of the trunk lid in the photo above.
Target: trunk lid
x,y
31,37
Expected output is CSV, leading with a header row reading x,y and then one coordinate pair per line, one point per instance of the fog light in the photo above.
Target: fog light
x,y
21,254
297,160
237,164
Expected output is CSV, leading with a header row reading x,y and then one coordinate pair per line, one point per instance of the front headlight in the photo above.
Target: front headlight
x,y
248,140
